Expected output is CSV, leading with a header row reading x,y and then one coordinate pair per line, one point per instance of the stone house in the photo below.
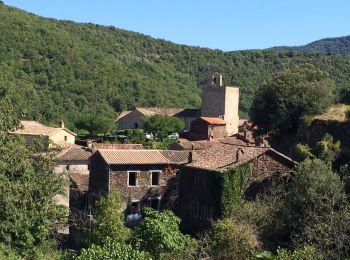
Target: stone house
x,y
73,163
207,128
32,130
201,181
142,177
135,119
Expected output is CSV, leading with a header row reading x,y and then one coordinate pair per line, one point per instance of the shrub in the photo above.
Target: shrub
x,y
233,240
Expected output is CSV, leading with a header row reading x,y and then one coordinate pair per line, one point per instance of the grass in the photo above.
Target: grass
x,y
340,112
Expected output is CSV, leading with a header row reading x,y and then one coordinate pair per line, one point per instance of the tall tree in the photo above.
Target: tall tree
x,y
290,94
28,214
108,221
317,211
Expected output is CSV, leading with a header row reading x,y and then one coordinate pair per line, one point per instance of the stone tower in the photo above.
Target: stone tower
x,y
221,101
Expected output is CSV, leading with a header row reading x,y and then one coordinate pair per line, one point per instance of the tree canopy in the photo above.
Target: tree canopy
x,y
290,94
69,69
162,126
159,234
108,221
29,216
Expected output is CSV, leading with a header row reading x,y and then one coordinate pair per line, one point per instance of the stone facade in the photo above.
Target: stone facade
x,y
221,101
202,130
199,202
104,177
133,120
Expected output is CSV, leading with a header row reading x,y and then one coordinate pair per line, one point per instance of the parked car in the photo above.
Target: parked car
x,y
149,136
174,135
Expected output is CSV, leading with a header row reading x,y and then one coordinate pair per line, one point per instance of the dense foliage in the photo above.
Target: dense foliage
x,y
289,95
234,184
317,209
111,250
29,216
326,150
159,235
108,222
233,240
162,126
69,69
340,45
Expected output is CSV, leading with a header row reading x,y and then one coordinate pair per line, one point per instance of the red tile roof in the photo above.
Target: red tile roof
x,y
35,128
221,156
75,153
118,146
81,181
213,120
120,157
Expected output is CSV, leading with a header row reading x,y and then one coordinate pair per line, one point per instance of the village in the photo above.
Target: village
x,y
215,143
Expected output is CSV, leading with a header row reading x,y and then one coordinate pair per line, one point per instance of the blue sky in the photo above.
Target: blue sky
x,y
219,24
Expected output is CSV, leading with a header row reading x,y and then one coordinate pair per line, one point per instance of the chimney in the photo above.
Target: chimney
x,y
62,124
192,157
238,154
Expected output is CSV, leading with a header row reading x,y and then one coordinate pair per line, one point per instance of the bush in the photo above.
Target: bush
x,y
233,240
304,253
317,211
111,250
159,235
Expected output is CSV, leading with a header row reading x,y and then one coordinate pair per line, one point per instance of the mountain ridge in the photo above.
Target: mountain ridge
x,y
70,69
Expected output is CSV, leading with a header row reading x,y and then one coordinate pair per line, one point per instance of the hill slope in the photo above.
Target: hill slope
x,y
336,45
62,69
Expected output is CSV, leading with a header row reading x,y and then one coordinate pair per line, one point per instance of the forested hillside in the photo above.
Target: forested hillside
x,y
62,69
337,45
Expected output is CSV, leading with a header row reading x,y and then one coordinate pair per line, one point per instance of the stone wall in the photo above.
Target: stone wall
x,y
63,136
131,120
222,101
200,189
144,190
340,130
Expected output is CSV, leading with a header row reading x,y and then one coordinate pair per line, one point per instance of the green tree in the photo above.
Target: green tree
x,y
317,211
326,149
290,94
111,250
108,221
95,124
159,235
29,216
162,126
233,240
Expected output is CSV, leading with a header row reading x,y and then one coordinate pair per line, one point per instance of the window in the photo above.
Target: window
x,y
65,138
132,179
155,178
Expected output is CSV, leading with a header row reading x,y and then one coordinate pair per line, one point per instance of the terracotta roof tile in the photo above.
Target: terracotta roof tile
x,y
75,153
213,120
221,156
81,181
36,128
118,146
118,157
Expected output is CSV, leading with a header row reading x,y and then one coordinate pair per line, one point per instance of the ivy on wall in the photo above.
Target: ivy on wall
x,y
233,185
